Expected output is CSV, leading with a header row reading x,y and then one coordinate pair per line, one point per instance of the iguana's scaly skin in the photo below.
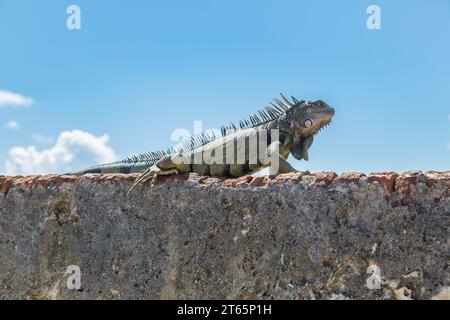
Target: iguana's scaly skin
x,y
297,123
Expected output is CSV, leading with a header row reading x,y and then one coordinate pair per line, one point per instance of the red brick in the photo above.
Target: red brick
x,y
386,179
6,184
173,178
66,179
27,182
294,177
323,179
45,181
118,177
404,183
433,177
350,177
260,181
237,181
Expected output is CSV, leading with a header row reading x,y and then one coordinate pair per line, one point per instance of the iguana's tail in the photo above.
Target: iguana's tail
x,y
137,167
133,164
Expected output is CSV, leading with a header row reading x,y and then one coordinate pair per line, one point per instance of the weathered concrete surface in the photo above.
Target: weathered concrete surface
x,y
297,236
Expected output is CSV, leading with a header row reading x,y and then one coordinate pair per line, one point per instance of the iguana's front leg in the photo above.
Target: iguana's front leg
x,y
283,166
278,164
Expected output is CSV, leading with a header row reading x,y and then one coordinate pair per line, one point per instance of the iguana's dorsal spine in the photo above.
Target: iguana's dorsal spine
x,y
261,118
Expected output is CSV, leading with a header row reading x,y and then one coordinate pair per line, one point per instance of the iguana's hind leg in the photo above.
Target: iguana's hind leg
x,y
152,172
164,166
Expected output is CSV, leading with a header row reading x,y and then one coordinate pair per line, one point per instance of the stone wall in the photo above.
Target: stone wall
x,y
296,236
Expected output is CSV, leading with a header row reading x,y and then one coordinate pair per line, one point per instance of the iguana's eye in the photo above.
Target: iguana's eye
x,y
308,123
320,104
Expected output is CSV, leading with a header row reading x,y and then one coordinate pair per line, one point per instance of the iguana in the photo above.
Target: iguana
x,y
297,122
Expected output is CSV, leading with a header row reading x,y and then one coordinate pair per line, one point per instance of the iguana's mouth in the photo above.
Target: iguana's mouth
x,y
325,119
324,125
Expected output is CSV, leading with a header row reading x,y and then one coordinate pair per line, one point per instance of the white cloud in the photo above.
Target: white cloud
x,y
60,157
11,99
12,125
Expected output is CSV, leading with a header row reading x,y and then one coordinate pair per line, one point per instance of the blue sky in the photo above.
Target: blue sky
x,y
137,70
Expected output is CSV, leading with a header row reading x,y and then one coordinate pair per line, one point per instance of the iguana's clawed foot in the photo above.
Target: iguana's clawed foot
x,y
152,172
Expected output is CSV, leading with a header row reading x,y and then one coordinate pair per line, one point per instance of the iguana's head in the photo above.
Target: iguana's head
x,y
305,119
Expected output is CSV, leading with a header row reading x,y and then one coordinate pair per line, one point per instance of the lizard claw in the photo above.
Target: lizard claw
x,y
152,172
